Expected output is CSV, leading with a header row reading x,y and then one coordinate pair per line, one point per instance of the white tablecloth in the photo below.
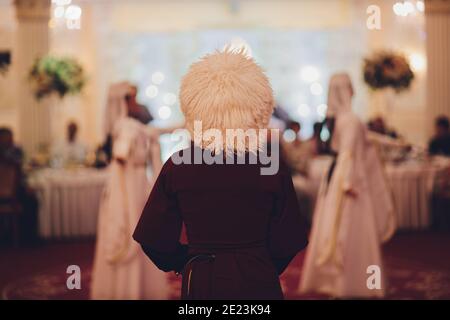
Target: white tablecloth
x,y
411,185
69,200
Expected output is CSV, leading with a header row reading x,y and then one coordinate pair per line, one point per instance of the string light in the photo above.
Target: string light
x,y
58,12
408,7
164,112
51,23
420,5
158,77
151,91
304,111
62,2
322,110
316,89
289,135
169,98
66,13
73,12
309,74
418,62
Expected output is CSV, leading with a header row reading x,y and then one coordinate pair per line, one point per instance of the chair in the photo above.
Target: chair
x,y
9,202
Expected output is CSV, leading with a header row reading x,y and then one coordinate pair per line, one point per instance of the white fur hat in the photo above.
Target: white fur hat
x,y
226,90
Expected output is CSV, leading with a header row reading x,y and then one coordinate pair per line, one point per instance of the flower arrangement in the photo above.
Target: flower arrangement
x,y
386,69
56,75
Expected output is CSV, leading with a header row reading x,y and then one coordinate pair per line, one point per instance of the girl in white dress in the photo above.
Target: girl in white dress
x,y
354,212
121,269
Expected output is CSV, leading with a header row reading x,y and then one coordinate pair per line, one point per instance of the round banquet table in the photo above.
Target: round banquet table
x,y
69,200
411,183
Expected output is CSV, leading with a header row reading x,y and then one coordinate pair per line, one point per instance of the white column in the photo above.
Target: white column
x,y
437,15
32,41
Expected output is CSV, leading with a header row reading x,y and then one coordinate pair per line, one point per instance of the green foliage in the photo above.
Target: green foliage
x,y
56,75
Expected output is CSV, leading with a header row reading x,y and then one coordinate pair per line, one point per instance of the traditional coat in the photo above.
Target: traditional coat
x,y
242,228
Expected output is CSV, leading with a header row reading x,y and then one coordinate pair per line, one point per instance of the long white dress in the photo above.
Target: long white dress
x,y
121,269
347,231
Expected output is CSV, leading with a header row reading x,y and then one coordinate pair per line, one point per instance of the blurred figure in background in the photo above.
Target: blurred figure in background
x,y
136,110
440,143
379,126
354,211
293,148
12,157
315,145
71,151
295,127
121,270
8,150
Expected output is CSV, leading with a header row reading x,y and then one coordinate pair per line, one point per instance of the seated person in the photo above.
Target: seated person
x,y
440,143
8,150
71,151
379,126
12,154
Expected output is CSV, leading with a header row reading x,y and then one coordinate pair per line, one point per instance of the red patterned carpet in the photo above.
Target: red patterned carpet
x,y
417,267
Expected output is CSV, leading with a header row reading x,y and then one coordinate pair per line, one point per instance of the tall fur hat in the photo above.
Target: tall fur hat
x,y
226,90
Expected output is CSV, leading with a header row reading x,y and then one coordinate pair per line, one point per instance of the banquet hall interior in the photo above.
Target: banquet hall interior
x,y
60,61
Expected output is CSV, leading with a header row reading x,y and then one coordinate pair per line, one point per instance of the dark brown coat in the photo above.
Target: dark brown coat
x,y
243,228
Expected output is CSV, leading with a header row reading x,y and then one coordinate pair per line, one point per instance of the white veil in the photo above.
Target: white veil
x,y
340,96
340,93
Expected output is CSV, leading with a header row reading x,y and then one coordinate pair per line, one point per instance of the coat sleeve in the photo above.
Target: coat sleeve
x,y
288,229
158,230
